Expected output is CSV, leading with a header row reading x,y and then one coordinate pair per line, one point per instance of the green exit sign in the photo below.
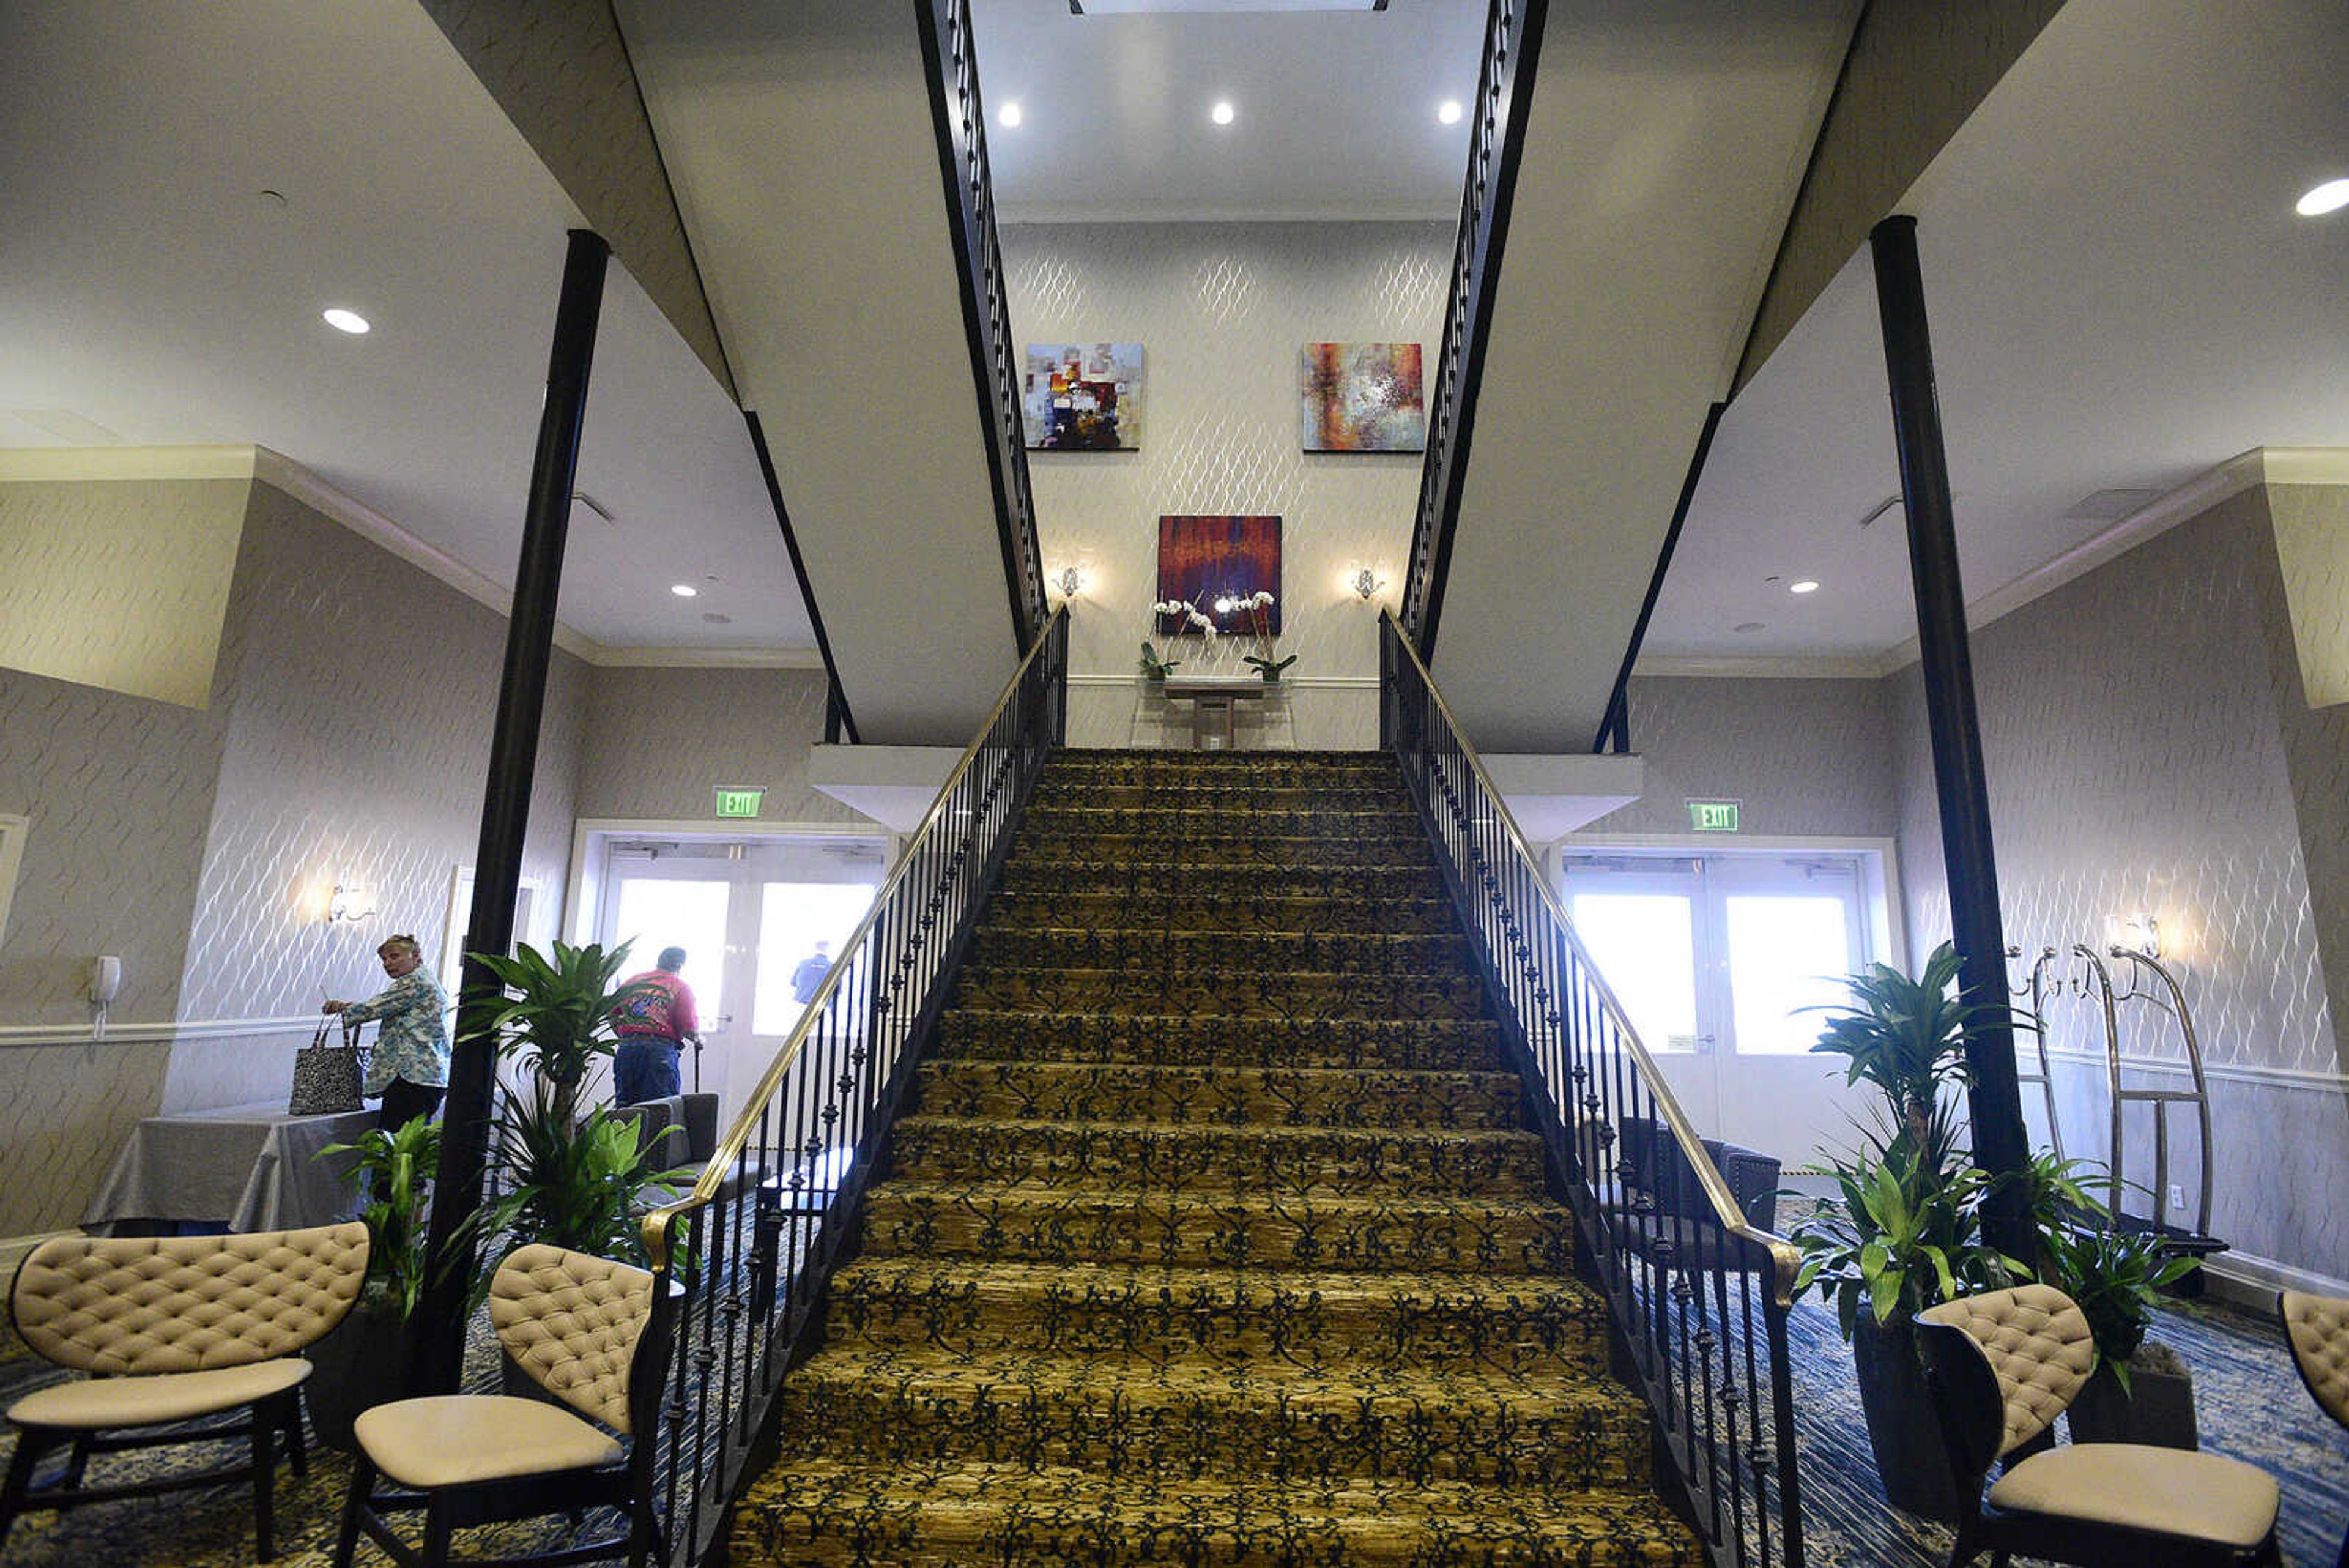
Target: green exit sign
x,y
740,801
1712,815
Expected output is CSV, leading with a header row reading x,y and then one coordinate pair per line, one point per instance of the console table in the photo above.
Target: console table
x,y
1215,705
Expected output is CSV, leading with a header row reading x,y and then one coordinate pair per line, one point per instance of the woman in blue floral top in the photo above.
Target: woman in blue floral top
x,y
410,1067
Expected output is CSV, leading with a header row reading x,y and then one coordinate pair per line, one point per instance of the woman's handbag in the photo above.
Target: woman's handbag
x,y
326,1078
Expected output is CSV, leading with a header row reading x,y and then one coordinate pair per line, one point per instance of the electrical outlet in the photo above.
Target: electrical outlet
x,y
2177,1196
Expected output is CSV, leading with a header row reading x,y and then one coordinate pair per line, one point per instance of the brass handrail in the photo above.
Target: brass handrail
x,y
1785,1258
654,1230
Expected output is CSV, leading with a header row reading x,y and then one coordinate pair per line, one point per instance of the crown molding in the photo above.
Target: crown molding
x,y
605,657
39,465
1776,667
2306,464
1048,212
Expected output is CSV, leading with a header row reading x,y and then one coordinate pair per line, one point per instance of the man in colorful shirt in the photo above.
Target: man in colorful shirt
x,y
410,1067
651,1024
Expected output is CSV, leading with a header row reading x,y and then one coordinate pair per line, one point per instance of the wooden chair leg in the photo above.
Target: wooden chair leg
x,y
438,1532
298,1453
264,1464
346,1540
78,1466
31,1445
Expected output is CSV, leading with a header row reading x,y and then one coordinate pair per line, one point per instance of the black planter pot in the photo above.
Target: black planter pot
x,y
1903,1429
2157,1410
363,1362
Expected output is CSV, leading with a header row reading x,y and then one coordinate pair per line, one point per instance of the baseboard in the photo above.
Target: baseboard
x,y
2243,1280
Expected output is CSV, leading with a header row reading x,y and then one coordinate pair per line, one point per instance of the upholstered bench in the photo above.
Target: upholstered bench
x,y
174,1330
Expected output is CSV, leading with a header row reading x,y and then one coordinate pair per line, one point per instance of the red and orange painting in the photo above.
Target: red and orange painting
x,y
1206,560
1362,397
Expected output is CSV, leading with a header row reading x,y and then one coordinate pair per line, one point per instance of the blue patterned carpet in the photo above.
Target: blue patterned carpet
x,y
2249,1403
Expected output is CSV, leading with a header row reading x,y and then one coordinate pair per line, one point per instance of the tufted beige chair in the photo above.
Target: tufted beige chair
x,y
592,1333
175,1330
2317,1328
2002,1367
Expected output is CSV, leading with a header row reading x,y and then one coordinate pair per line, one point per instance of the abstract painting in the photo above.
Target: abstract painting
x,y
1202,560
1362,397
1084,397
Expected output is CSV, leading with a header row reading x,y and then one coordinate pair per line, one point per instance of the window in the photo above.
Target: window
x,y
795,916
655,912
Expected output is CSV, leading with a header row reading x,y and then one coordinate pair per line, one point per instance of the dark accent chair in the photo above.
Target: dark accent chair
x,y
697,1115
595,1335
2001,1367
1659,1208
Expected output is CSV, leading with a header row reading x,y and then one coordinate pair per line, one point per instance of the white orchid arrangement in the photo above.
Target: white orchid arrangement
x,y
1190,612
1192,616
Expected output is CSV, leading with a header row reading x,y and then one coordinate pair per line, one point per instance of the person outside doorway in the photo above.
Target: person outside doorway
x,y
651,1026
808,979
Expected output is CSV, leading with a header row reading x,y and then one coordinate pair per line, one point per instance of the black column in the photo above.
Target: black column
x,y
505,808
1959,776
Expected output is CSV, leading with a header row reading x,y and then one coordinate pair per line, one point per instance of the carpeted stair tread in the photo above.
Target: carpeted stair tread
x,y
1549,1326
1147,880
1263,1418
1224,915
1288,1096
1199,792
1088,818
1209,1038
1414,1232
825,1511
1246,994
1128,948
1179,856
1179,1156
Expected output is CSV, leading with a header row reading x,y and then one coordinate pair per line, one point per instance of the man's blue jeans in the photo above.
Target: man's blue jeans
x,y
644,1068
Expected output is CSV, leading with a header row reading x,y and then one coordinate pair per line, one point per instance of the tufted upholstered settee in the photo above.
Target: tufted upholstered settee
x,y
2317,1329
174,1330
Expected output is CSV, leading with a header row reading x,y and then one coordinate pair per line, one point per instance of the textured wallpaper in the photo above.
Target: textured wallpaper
x,y
1221,311
663,740
1803,757
361,695
2312,538
2135,740
78,598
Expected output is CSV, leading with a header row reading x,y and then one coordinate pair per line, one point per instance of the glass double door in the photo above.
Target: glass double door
x,y
759,921
1717,960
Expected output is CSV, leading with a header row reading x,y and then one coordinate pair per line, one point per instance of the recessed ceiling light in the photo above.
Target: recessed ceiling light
x,y
342,320
1223,113
1748,626
1804,586
1008,115
683,590
2329,197
1448,112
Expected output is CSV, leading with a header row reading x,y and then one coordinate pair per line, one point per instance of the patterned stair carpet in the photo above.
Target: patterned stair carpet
x,y
1215,1236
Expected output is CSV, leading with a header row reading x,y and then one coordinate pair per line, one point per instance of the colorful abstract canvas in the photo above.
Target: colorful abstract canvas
x,y
1084,397
1362,397
1202,560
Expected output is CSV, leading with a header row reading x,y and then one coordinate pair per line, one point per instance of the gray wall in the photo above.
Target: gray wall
x,y
360,693
2148,750
664,739
348,730
1803,757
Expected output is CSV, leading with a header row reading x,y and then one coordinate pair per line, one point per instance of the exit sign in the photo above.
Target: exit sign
x,y
740,801
1712,815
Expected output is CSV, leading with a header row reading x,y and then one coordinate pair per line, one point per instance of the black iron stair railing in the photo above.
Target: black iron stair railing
x,y
1497,139
747,1251
1687,1272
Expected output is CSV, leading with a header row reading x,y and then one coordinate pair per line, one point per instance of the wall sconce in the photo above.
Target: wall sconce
x,y
2136,934
1069,582
349,902
1367,582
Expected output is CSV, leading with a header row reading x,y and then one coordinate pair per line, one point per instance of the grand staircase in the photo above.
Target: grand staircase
x,y
1213,1237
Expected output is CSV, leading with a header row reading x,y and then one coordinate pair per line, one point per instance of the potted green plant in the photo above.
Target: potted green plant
x,y
365,1361
1268,669
1154,668
1904,1230
552,1012
2140,1391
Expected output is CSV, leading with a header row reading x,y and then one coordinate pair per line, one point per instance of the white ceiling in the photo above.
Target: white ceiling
x,y
1334,112
151,289
2120,296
